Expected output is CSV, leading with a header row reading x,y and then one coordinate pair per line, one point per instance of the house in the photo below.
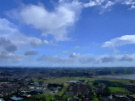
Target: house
x,y
1,99
122,98
74,82
14,98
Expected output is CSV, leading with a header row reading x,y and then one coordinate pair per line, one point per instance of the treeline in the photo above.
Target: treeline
x,y
62,72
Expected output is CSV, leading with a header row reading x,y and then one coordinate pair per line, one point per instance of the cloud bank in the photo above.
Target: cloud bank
x,y
58,21
12,40
17,46
120,41
79,60
55,23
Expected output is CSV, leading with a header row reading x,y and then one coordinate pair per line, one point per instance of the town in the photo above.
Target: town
x,y
21,85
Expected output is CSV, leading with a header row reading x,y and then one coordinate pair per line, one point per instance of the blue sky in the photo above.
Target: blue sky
x,y
67,33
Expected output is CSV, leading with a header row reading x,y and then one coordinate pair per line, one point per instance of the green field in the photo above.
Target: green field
x,y
119,90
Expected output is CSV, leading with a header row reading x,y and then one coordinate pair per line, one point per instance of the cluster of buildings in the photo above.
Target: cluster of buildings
x,y
75,91
79,90
8,88
14,91
17,91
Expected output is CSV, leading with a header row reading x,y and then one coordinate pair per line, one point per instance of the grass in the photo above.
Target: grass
x,y
124,81
95,99
49,97
63,80
118,90
133,95
63,90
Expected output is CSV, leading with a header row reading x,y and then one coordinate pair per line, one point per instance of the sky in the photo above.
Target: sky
x,y
67,33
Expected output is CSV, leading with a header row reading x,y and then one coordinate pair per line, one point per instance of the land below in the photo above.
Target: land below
x,y
67,84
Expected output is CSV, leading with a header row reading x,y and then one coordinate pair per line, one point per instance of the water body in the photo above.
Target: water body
x,y
129,77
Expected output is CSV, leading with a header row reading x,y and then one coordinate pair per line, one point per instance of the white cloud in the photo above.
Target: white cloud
x,y
46,42
6,57
10,32
119,41
130,3
32,52
108,4
13,41
102,3
74,55
106,59
52,59
55,23
127,57
6,45
80,60
93,3
117,58
90,4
